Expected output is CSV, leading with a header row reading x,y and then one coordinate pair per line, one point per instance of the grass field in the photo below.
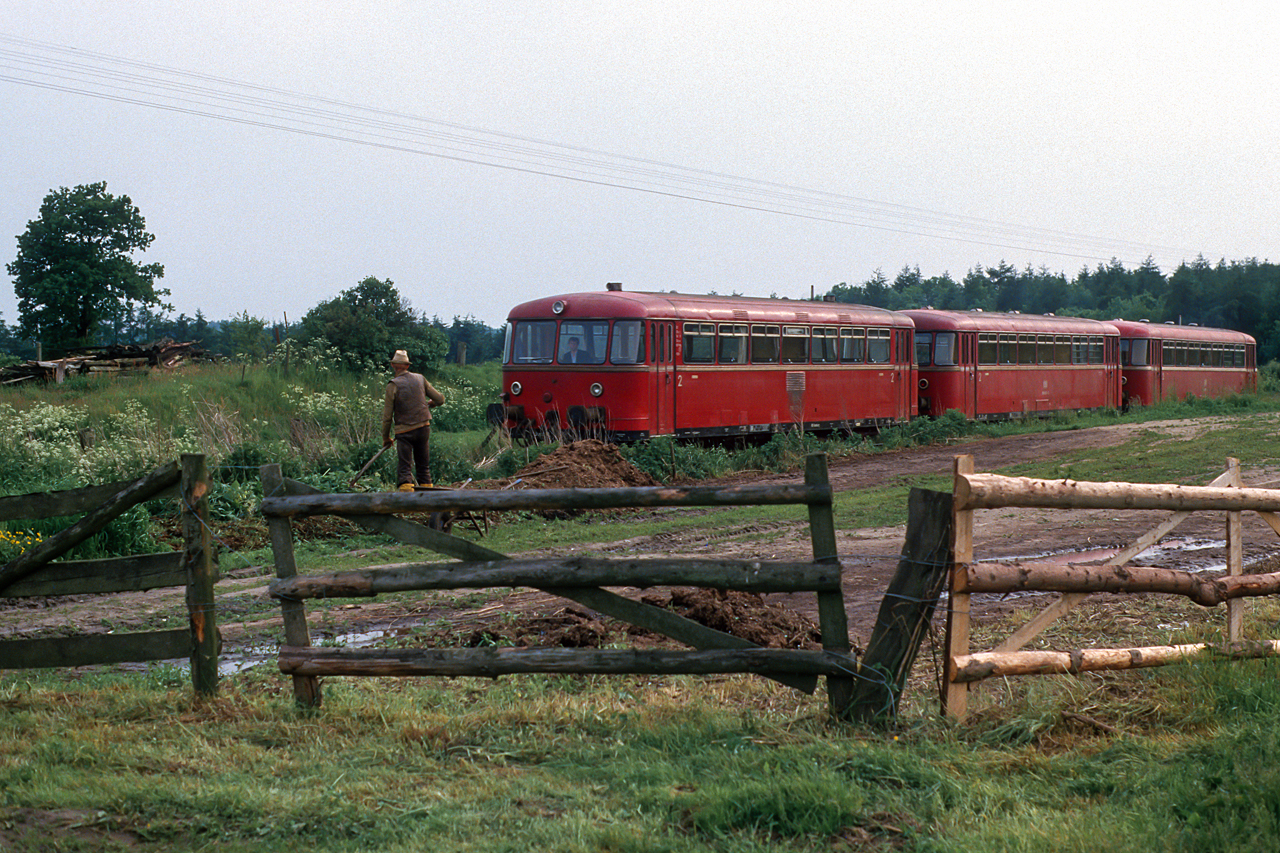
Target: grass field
x,y
1182,758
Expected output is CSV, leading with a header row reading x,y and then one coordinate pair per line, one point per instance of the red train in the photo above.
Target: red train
x,y
627,365
997,366
1168,362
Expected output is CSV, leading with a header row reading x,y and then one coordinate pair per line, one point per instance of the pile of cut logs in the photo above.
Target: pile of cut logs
x,y
118,358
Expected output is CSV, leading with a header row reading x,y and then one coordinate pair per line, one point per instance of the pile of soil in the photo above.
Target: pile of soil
x,y
585,464
741,614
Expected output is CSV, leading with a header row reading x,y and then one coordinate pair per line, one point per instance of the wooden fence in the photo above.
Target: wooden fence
x,y
578,579
33,573
974,491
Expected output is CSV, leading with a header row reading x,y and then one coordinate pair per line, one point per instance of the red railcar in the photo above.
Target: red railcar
x,y
649,364
1168,362
993,366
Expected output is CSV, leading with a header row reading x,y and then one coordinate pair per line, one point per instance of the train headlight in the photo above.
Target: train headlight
x,y
924,383
557,307
596,389
516,388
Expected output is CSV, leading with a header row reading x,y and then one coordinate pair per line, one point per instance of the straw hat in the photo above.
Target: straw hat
x,y
401,357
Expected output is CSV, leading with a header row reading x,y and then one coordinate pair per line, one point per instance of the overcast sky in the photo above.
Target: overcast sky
x,y
483,153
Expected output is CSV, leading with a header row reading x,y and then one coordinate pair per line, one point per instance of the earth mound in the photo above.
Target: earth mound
x,y
586,464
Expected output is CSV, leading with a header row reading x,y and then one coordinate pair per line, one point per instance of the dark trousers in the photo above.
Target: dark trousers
x,y
414,456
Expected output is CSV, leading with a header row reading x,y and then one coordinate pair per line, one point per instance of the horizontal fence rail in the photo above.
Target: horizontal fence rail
x,y
744,575
581,579
34,573
1074,581
462,500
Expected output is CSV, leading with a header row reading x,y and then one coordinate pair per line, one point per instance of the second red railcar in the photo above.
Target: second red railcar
x,y
995,366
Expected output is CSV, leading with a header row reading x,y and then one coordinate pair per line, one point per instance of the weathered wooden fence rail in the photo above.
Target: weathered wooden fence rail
x,y
578,579
33,573
974,491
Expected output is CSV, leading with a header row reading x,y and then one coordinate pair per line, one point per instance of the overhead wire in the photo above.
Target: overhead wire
x,y
81,72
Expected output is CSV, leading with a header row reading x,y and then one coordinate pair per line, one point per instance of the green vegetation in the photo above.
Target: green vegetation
x,y
1179,758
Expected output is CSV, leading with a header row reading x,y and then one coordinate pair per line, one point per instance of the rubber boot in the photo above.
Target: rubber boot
x,y
405,487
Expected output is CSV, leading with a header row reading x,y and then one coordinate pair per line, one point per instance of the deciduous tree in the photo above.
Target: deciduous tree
x,y
75,269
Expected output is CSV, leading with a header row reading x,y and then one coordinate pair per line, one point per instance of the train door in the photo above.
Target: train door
x,y
904,374
663,339
969,371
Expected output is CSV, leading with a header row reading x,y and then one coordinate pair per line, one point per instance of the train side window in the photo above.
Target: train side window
x,y
1062,349
795,345
733,344
1026,349
699,343
825,346
628,342
1079,349
1008,349
1095,350
924,348
1044,349
533,342
853,346
988,350
944,349
764,344
878,351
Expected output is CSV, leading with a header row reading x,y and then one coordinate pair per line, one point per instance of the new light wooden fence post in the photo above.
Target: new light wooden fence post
x,y
955,696
1235,556
306,688
198,561
833,622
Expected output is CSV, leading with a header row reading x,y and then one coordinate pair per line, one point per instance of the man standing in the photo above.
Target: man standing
x,y
407,404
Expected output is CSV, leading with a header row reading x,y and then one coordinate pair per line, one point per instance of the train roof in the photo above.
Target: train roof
x,y
1169,331
932,319
705,307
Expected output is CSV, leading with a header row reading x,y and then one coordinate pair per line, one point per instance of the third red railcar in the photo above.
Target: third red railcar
x,y
1162,361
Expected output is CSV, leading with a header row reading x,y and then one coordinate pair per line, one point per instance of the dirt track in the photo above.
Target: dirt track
x,y
868,555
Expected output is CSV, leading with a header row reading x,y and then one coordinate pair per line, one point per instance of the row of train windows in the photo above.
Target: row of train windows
x,y
593,342
940,349
755,343
1136,352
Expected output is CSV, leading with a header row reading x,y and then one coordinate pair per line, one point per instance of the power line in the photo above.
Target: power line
x,y
87,73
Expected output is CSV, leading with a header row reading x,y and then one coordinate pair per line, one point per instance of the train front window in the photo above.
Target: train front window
x,y
533,342
924,347
1133,352
628,342
699,343
583,341
944,349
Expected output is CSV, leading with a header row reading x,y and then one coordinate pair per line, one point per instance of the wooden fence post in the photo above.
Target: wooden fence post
x,y
1235,556
908,607
306,688
955,695
198,561
833,622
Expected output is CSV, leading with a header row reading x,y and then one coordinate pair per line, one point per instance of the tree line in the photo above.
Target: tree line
x,y
1239,295
78,285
